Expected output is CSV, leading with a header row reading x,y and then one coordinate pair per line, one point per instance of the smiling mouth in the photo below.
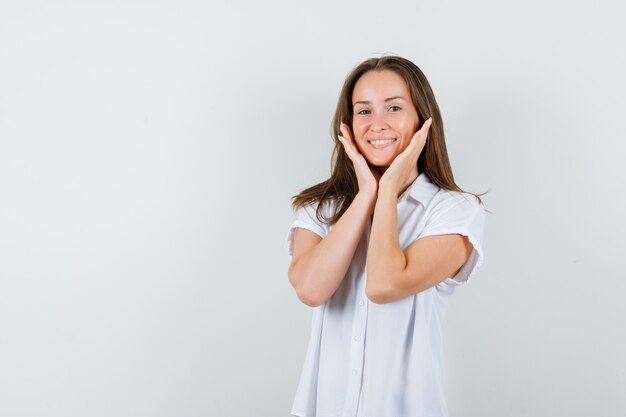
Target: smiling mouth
x,y
381,143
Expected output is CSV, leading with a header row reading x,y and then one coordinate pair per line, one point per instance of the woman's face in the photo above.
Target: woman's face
x,y
385,118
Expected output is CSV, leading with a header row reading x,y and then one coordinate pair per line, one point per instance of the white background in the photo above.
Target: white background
x,y
149,150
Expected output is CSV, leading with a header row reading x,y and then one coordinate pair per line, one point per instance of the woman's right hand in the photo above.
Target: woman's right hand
x,y
367,177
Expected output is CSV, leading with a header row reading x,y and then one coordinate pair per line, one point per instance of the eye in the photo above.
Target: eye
x,y
395,108
363,112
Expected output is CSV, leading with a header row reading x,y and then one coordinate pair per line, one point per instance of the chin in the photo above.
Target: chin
x,y
380,162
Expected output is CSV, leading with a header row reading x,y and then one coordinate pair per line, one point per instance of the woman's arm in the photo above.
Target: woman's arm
x,y
319,265
392,273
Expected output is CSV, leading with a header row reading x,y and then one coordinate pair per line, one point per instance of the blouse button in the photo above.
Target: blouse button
x,y
357,338
361,302
354,372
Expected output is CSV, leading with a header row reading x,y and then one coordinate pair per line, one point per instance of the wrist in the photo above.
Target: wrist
x,y
366,198
387,191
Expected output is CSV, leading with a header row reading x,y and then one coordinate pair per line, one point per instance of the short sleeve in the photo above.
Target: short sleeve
x,y
306,218
460,213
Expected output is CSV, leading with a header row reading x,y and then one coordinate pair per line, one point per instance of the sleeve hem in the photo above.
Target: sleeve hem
x,y
472,264
303,225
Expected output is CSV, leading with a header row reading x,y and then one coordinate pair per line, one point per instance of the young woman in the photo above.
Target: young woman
x,y
378,249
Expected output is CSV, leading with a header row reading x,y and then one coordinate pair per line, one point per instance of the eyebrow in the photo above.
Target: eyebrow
x,y
386,100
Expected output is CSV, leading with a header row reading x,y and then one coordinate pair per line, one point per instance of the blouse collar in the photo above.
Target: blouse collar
x,y
421,190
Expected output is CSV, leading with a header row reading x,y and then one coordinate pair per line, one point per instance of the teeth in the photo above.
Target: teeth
x,y
381,142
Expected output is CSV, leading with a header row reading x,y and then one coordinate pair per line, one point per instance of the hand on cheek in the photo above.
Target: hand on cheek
x,y
367,178
403,170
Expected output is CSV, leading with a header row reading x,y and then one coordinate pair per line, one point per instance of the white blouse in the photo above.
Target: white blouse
x,y
385,360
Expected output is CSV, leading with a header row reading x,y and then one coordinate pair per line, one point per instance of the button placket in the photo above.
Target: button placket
x,y
357,356
357,351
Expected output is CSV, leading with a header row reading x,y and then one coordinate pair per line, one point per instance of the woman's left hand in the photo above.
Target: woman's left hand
x,y
403,170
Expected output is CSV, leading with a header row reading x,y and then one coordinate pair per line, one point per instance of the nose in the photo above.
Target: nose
x,y
379,121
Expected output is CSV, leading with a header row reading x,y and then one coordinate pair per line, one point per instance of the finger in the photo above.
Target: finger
x,y
423,132
348,141
419,138
345,142
426,126
345,131
348,148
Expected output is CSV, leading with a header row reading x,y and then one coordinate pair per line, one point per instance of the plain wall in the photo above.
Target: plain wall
x,y
149,150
